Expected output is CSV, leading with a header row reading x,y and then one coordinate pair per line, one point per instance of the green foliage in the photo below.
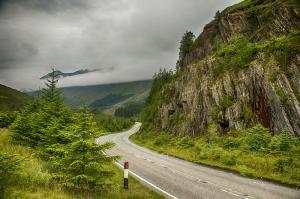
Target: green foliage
x,y
160,80
129,110
78,95
39,123
11,99
109,100
271,77
235,55
284,49
284,99
247,112
109,123
31,179
229,160
253,152
283,141
246,5
185,47
186,142
257,138
83,170
6,118
226,101
52,94
231,143
8,166
162,139
65,138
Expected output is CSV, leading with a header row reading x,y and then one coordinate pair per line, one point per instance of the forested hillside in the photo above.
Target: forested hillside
x,y
11,99
109,97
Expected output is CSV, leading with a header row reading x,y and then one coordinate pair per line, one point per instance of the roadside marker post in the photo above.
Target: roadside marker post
x,y
126,166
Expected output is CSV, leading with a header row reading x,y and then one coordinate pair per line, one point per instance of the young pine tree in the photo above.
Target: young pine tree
x,y
84,162
52,94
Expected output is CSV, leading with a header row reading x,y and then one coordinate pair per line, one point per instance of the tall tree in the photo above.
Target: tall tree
x,y
82,167
52,93
185,47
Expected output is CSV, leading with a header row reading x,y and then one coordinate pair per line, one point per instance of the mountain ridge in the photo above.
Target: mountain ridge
x,y
11,99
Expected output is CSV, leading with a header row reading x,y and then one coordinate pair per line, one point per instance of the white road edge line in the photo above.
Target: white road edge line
x,y
154,186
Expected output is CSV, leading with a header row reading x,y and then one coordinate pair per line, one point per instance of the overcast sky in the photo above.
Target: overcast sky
x,y
124,39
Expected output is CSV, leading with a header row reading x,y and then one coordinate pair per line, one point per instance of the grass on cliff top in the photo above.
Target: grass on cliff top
x,y
252,152
250,4
240,52
30,180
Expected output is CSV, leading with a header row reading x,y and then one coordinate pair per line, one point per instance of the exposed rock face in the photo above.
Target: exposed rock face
x,y
267,20
262,92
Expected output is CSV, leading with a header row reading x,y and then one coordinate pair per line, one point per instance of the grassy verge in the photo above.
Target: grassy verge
x,y
232,152
31,180
136,189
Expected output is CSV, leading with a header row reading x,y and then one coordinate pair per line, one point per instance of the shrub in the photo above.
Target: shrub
x,y
6,118
284,141
279,165
257,138
163,139
231,143
229,160
226,101
186,142
236,55
9,164
215,152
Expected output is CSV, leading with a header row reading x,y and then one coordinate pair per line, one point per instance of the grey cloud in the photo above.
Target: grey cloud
x,y
136,37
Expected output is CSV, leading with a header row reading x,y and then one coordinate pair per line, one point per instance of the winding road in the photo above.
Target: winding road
x,y
180,179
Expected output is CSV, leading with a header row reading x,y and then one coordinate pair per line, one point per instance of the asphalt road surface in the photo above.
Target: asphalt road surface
x,y
177,178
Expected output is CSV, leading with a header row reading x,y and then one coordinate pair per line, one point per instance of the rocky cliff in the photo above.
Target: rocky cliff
x,y
243,69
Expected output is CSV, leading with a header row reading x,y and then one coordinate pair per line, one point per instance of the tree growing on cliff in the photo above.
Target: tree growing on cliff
x,y
185,47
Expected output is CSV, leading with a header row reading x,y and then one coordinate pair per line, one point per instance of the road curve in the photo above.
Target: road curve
x,y
185,180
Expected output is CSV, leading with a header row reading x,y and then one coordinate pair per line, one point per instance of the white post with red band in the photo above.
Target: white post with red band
x,y
126,166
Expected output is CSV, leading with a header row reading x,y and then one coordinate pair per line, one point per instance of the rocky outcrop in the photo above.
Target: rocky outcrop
x,y
261,92
260,21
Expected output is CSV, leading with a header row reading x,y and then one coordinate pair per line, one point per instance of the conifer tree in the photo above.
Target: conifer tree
x,y
52,94
81,169
185,47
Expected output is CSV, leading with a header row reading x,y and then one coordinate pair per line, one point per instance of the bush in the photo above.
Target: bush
x,y
9,164
229,160
279,165
257,138
186,142
163,139
226,101
284,141
6,118
230,143
235,55
111,123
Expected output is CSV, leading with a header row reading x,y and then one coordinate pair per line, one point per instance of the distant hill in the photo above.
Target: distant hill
x,y
107,97
11,99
